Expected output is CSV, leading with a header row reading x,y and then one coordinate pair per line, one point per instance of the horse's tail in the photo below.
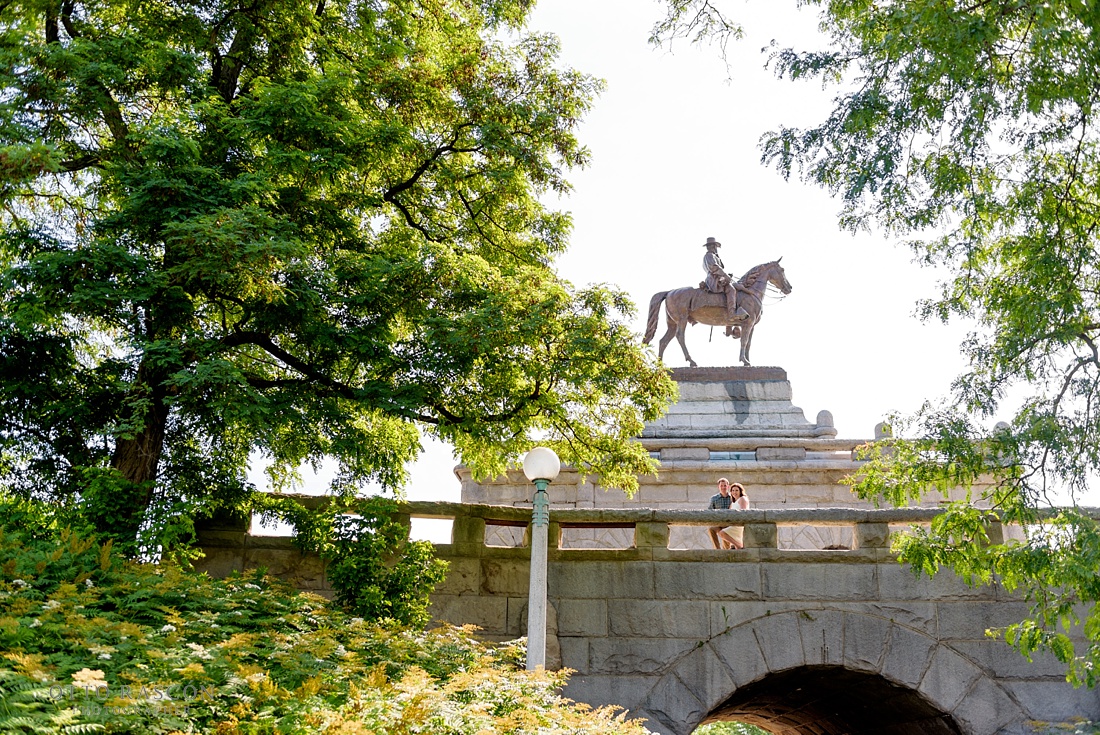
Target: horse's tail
x,y
654,313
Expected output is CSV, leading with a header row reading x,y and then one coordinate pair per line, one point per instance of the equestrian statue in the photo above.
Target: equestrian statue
x,y
718,301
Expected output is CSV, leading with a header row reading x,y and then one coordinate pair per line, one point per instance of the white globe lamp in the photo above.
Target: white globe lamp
x,y
540,466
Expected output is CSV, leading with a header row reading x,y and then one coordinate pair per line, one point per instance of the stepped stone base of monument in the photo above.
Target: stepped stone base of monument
x,y
736,402
734,422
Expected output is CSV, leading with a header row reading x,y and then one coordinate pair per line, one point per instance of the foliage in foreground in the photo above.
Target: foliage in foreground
x,y
971,127
94,643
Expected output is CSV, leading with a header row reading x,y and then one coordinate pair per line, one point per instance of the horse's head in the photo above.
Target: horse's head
x,y
778,277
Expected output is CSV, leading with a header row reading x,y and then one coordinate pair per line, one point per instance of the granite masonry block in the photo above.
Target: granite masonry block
x,y
625,691
1054,701
1005,662
897,582
760,536
865,638
463,577
662,494
488,613
601,580
674,705
653,723
706,676
948,678
672,618
517,616
970,620
793,581
304,571
728,614
986,709
820,581
907,656
669,453
582,617
802,495
740,651
505,577
871,536
652,535
780,641
695,580
637,655
919,616
220,563
768,453
575,654
468,530
822,634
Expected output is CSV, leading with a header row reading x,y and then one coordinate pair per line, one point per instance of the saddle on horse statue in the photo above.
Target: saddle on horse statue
x,y
703,298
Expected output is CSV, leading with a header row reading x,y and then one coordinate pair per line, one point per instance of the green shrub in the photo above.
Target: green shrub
x,y
376,571
92,642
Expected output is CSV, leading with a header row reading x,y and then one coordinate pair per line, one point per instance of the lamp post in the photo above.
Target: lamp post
x,y
540,466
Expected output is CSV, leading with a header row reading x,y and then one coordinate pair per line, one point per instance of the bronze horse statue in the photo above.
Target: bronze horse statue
x,y
691,305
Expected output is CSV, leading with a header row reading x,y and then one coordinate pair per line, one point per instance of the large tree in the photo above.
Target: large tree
x,y
973,128
297,229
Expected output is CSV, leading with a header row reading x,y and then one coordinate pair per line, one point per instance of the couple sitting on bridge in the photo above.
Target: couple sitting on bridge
x,y
729,496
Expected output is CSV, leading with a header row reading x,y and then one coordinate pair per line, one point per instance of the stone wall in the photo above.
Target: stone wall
x,y
674,635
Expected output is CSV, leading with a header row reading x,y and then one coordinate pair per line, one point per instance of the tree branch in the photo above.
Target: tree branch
x,y
443,415
78,164
390,195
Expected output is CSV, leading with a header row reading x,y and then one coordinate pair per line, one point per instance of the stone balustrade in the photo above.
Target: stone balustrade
x,y
871,529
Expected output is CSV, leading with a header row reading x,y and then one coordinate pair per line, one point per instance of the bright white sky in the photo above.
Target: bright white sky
x,y
675,159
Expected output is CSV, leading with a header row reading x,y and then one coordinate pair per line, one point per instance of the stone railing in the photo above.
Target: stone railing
x,y
229,545
870,529
650,528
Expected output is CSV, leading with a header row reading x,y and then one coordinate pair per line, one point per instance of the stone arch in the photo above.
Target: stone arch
x,y
868,648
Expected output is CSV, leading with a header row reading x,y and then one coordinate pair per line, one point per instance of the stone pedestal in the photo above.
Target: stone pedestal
x,y
735,402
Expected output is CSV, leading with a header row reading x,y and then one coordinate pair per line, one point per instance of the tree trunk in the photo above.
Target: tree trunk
x,y
136,460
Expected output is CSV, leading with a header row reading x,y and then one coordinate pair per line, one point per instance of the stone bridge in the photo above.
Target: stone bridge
x,y
795,641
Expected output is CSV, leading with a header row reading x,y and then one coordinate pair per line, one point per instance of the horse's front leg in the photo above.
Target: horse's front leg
x,y
680,329
746,341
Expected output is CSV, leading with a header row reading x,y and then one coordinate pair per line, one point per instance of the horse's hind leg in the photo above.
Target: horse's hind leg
x,y
680,329
666,338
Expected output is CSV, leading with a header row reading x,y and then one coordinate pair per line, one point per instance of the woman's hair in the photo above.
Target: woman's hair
x,y
739,486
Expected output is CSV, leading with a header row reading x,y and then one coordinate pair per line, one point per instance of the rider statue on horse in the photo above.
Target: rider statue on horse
x,y
718,301
718,281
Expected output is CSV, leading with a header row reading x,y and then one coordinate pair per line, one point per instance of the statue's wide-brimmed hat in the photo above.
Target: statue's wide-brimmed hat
x,y
711,241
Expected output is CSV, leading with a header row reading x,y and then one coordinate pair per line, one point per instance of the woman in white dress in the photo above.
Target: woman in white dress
x,y
735,535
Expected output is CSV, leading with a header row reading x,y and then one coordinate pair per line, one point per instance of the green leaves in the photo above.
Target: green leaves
x,y
297,230
977,120
92,642
377,572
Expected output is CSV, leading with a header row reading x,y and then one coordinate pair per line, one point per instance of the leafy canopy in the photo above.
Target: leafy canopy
x,y
303,230
971,127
